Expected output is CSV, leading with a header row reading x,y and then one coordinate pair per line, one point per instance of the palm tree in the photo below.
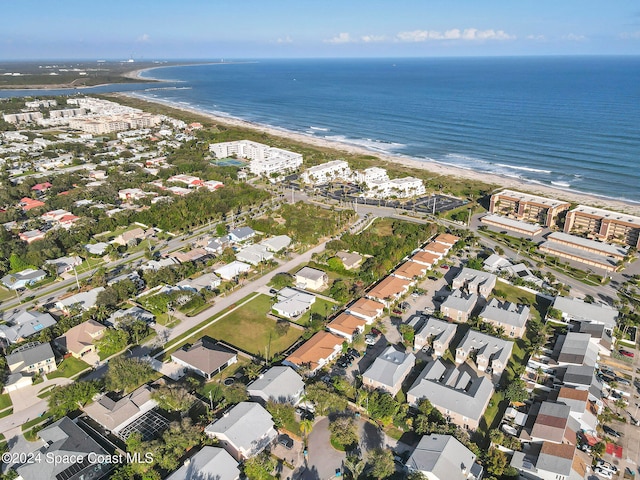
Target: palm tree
x,y
306,426
355,466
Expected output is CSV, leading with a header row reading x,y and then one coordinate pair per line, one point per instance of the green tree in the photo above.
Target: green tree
x,y
496,461
326,401
259,467
344,430
516,391
598,449
125,374
355,466
283,413
281,280
381,463
113,341
252,370
408,334
173,398
65,399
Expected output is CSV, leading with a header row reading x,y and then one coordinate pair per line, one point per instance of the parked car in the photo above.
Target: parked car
x,y
376,332
603,473
370,340
611,432
623,381
626,353
286,441
606,465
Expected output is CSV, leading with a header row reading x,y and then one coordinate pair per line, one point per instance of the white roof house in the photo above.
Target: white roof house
x,y
311,278
244,431
327,172
293,303
389,370
84,300
232,270
576,310
277,243
254,254
443,457
209,463
281,384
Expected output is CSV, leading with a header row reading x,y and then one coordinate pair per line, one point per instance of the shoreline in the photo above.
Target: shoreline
x,y
426,165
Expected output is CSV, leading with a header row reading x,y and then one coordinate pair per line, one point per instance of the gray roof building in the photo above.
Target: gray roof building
x,y
459,305
115,415
277,243
576,348
281,384
244,431
30,355
443,457
510,316
66,442
134,312
491,352
389,370
441,331
21,279
576,310
25,324
546,460
205,357
241,234
475,281
457,392
210,463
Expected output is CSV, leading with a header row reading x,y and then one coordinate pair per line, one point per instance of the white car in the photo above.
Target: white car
x,y
369,340
603,473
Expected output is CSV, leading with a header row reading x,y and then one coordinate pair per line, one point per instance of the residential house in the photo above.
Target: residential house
x,y
280,384
41,187
64,264
25,324
446,239
350,260
575,349
389,290
242,234
29,204
161,263
116,415
81,301
132,237
212,463
18,280
80,340
436,249
254,254
315,352
584,411
443,457
277,243
327,172
457,392
134,313
212,185
388,371
459,305
244,431
600,336
511,317
133,277
575,310
437,333
32,358
96,248
292,303
553,423
208,281
311,278
217,245
494,263
491,353
427,259
475,281
346,325
32,236
205,357
232,270
411,270
66,442
548,461
193,255
367,309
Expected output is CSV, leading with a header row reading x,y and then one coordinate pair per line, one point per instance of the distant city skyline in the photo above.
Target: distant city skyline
x,y
190,29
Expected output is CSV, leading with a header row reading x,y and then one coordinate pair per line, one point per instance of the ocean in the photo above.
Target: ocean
x,y
568,122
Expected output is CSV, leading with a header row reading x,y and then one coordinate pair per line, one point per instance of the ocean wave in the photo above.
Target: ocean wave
x,y
526,169
371,144
561,184
320,129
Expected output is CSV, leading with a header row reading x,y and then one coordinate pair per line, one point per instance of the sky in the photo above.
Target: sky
x,y
229,29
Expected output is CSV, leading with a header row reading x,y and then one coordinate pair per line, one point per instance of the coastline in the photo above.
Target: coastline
x,y
425,165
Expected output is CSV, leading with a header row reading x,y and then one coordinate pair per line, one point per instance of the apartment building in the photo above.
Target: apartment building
x,y
327,172
604,225
530,208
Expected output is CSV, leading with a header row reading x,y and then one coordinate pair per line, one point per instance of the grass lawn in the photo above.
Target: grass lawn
x,y
320,306
249,329
35,421
6,413
491,418
5,401
68,368
5,294
538,305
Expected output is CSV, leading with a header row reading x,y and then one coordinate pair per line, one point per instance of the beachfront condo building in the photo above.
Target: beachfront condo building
x,y
526,207
405,187
604,225
327,172
264,160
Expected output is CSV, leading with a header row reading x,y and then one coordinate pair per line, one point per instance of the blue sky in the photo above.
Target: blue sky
x,y
211,29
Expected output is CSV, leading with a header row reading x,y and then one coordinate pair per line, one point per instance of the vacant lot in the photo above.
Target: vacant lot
x,y
249,329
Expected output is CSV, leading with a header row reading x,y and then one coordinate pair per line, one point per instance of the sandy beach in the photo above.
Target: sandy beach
x,y
436,168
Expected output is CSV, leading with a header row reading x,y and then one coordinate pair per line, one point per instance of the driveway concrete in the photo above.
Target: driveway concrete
x,y
322,459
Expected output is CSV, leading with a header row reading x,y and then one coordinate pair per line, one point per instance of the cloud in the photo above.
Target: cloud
x,y
630,35
373,38
340,38
536,38
144,38
286,39
468,34
574,38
